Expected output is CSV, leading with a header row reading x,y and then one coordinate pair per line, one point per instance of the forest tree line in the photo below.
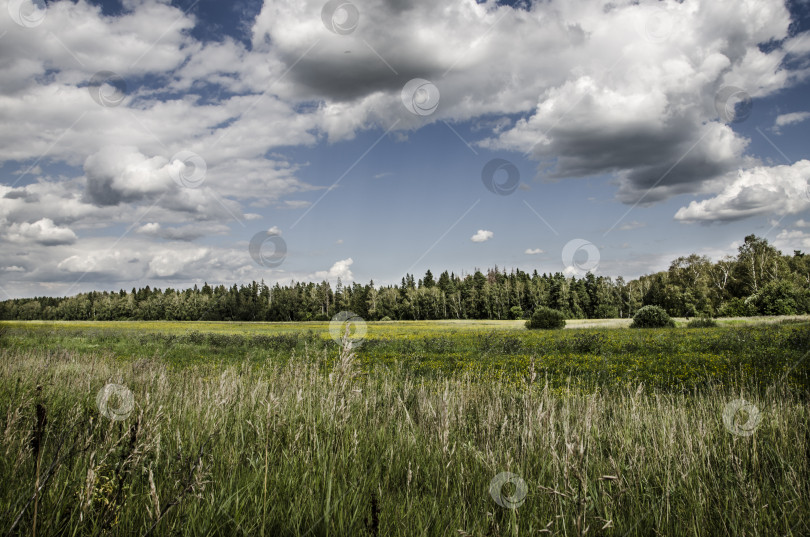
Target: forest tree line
x,y
759,280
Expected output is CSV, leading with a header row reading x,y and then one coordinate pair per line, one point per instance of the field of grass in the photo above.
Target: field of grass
x,y
380,328
425,428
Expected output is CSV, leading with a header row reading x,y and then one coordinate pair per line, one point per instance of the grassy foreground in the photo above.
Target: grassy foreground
x,y
296,436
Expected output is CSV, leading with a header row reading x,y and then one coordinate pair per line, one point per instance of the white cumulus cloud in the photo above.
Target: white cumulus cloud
x,y
482,235
756,191
43,232
341,269
789,119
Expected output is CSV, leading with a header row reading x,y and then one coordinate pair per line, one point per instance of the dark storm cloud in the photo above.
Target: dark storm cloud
x,y
355,76
21,194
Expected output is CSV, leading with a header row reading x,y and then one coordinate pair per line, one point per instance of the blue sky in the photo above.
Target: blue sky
x,y
148,142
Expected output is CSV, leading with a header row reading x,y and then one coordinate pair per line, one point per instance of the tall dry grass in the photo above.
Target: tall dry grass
x,y
319,447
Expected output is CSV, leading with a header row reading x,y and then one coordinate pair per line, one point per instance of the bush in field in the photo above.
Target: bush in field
x,y
546,318
701,322
652,317
737,307
777,298
386,319
516,312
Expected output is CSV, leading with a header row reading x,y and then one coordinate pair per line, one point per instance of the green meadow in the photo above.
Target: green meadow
x,y
419,428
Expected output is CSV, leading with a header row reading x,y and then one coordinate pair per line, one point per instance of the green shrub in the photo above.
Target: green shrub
x,y
385,319
737,307
546,318
701,322
516,312
652,317
777,298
